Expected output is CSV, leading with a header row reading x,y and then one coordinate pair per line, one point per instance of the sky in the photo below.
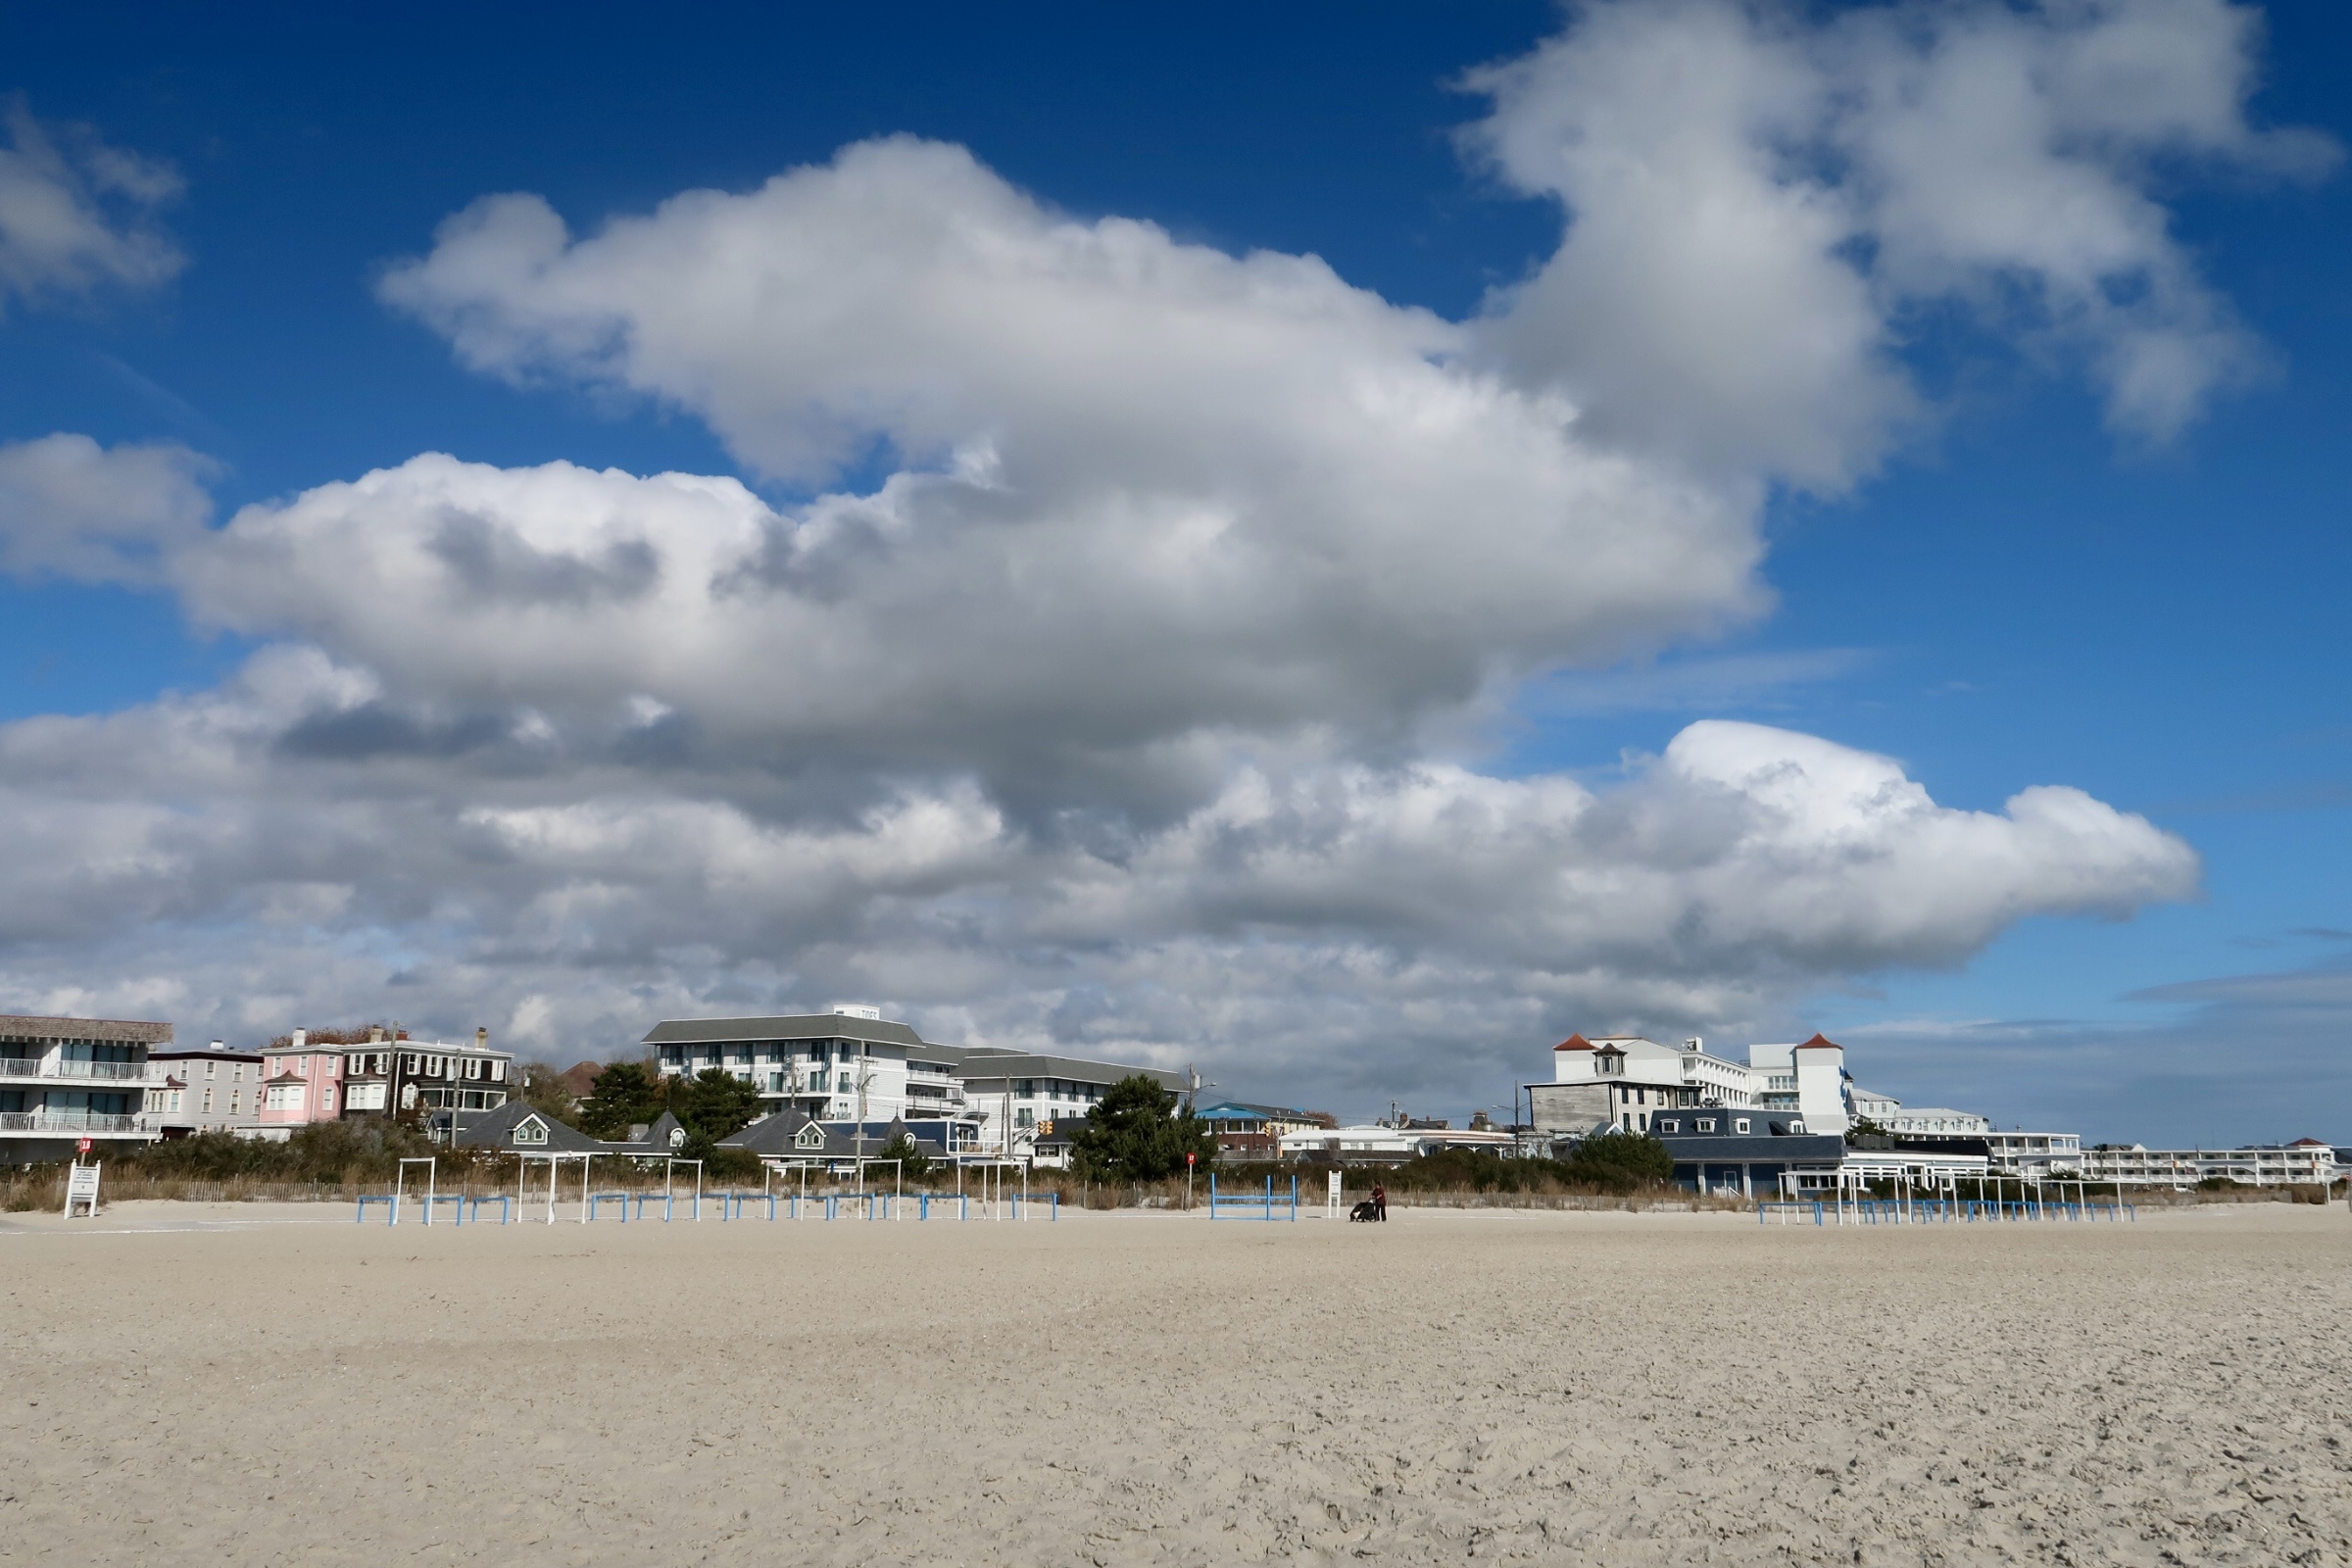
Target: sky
x,y
1335,546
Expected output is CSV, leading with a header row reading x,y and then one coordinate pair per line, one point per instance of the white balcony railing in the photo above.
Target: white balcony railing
x,y
87,1071
67,1121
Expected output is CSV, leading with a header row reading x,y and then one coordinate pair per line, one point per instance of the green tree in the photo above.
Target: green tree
x,y
913,1164
1863,1127
1135,1135
718,1105
624,1094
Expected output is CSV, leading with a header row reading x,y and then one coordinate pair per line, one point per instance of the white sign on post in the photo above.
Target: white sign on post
x,y
1331,1202
82,1186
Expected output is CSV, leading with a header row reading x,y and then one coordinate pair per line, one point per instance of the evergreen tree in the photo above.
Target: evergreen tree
x,y
624,1094
715,1104
1135,1135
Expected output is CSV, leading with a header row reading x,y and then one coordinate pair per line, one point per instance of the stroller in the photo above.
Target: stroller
x,y
1363,1213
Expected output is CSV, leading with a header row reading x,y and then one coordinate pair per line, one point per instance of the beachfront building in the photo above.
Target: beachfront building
x,y
847,1064
393,1077
66,1079
519,1128
1246,1131
214,1090
2035,1155
2305,1163
301,1082
792,1139
1380,1144
1623,1081
1747,1152
1018,1096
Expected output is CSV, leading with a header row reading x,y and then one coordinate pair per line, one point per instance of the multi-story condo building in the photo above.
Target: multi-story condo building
x,y
1015,1092
2305,1163
214,1090
66,1079
848,1064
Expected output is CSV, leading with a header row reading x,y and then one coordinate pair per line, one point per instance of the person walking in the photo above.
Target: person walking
x,y
1379,1202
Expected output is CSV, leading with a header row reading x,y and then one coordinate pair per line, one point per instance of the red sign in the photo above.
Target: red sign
x,y
1188,1159
82,1147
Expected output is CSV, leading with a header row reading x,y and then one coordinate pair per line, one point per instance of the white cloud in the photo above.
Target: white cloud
x,y
71,508
1406,924
1758,205
75,213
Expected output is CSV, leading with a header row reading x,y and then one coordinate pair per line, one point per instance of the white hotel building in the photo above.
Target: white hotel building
x,y
852,1064
1622,1081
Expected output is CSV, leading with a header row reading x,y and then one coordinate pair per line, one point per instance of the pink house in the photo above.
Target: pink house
x,y
301,1083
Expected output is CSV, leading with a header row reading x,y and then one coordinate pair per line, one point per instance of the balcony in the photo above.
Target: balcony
x,y
68,1121
84,1071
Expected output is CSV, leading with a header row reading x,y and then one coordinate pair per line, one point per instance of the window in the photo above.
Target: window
x,y
498,1072
1740,1125
1669,1126
1706,1124
531,1130
408,1061
238,1072
236,1102
809,1137
208,1101
210,1068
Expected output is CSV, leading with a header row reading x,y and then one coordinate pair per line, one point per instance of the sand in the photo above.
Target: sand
x,y
1155,1389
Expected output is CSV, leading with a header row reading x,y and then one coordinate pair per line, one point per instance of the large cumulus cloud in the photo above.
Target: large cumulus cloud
x,y
1759,209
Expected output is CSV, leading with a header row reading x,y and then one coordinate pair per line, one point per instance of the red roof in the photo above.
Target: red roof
x,y
2309,1143
1821,1042
1575,1042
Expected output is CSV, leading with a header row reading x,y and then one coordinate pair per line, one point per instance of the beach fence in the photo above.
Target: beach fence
x,y
1934,1199
1269,1204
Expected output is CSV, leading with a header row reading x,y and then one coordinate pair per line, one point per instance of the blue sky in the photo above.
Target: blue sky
x,y
2001,588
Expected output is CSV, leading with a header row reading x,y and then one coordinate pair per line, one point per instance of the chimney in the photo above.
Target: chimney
x,y
375,1034
302,1038
481,1040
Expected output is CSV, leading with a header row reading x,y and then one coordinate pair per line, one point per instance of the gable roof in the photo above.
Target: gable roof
x,y
495,1129
1575,1042
662,1136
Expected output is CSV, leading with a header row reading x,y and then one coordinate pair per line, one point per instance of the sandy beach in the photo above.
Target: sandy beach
x,y
275,1385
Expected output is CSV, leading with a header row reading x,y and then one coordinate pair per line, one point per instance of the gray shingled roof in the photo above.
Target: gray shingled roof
x,y
495,1129
990,1063
792,1026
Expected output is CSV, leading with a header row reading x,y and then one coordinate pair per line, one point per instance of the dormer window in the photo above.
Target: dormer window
x,y
809,1137
531,1130
1706,1124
